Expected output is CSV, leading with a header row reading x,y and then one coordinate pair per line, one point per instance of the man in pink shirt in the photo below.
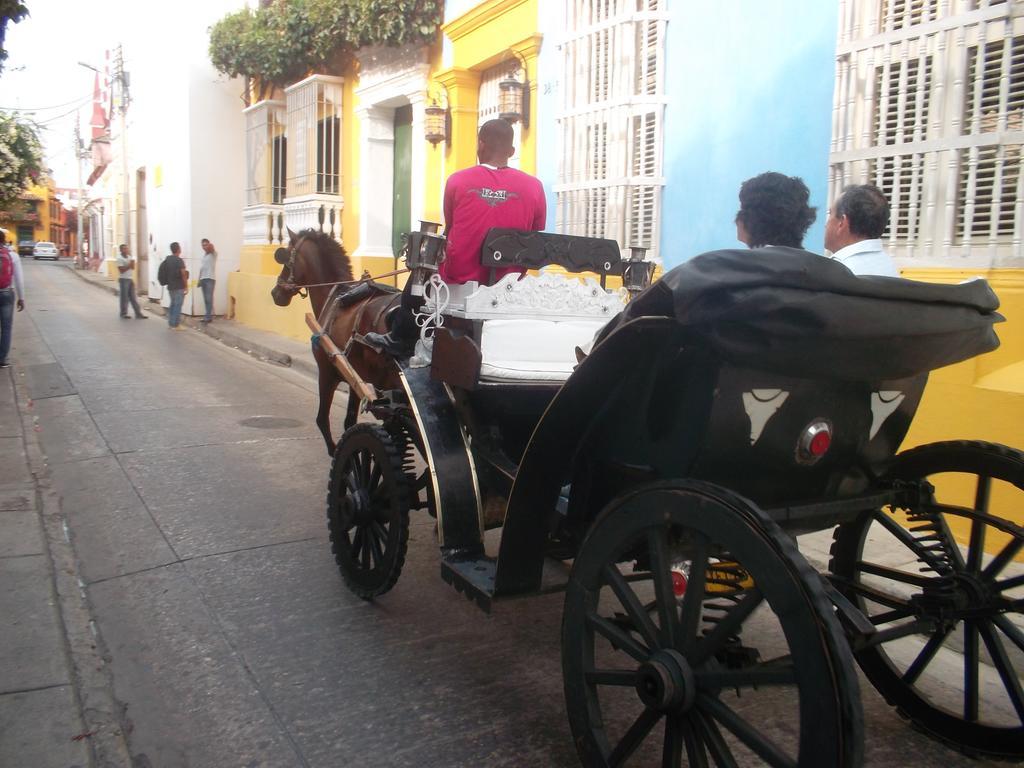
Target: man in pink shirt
x,y
475,199
487,195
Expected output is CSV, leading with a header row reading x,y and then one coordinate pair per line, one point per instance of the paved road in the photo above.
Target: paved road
x,y
231,638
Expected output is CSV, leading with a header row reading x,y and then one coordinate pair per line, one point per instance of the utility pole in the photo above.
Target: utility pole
x,y
122,78
79,156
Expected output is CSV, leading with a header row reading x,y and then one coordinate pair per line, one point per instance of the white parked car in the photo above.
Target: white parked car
x,y
45,250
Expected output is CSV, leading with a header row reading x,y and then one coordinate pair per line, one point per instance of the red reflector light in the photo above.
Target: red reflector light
x,y
814,442
820,443
678,583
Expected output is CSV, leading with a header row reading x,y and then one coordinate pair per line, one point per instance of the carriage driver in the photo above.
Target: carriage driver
x,y
490,194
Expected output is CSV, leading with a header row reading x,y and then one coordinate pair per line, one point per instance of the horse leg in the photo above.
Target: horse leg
x,y
328,379
351,410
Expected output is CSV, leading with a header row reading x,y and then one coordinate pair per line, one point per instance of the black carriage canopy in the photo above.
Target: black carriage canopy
x,y
796,313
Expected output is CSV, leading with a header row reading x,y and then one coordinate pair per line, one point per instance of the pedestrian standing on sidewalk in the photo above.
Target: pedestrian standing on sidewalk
x,y
126,283
177,285
10,283
207,275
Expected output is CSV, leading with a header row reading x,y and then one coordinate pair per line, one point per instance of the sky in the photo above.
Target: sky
x,y
42,79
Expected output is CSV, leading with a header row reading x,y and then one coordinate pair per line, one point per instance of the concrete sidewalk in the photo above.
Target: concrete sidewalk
x,y
56,706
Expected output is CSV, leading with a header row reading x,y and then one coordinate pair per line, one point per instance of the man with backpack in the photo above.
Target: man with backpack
x,y
173,274
10,284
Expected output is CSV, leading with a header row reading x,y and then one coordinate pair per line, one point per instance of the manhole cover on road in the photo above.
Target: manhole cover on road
x,y
270,422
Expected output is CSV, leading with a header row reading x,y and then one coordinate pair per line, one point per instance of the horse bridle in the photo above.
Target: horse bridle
x,y
289,285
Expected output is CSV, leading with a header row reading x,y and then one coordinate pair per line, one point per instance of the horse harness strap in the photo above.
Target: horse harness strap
x,y
328,311
340,298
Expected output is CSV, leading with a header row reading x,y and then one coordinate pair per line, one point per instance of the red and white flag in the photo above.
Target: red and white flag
x,y
100,123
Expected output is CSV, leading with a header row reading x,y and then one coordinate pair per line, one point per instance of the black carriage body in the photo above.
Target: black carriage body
x,y
686,383
675,457
716,373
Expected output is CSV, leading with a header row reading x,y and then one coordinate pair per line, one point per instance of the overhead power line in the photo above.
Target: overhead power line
x,y
78,100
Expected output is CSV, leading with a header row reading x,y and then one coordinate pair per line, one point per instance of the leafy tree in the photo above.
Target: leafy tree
x,y
21,157
283,40
10,10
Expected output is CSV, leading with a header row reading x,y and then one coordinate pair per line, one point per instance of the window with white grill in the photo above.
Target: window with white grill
x,y
903,90
900,177
313,155
610,176
985,103
900,14
929,105
988,190
264,140
488,104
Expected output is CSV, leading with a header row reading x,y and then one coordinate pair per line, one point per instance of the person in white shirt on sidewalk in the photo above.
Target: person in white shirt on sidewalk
x,y
207,275
853,231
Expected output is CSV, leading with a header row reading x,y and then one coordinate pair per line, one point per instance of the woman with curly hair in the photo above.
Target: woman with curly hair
x,y
774,211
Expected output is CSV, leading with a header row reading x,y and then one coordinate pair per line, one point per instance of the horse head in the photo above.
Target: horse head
x,y
312,258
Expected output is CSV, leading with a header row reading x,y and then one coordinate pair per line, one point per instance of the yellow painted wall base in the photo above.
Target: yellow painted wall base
x,y
979,399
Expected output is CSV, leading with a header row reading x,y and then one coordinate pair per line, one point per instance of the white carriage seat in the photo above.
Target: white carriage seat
x,y
532,326
527,349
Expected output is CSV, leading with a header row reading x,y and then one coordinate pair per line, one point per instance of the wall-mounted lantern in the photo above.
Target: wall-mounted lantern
x,y
514,94
437,122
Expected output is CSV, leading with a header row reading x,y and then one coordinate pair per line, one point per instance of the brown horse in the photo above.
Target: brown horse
x,y
314,261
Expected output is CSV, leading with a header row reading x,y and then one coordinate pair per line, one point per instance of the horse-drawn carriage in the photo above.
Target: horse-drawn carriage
x,y
661,483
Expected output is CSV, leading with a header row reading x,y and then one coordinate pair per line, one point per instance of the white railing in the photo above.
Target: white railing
x,y
319,212
263,225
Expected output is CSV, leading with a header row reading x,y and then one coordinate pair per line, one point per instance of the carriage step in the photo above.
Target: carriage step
x,y
474,578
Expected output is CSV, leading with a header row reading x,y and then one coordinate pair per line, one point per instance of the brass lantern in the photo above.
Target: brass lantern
x,y
510,99
436,124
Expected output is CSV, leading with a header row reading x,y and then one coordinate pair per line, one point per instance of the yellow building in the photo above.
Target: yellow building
x,y
33,217
348,152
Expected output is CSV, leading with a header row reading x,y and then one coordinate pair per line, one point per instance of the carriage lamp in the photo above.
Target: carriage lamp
x,y
424,253
814,442
437,122
510,100
637,273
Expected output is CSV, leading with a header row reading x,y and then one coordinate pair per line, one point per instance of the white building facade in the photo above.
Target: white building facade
x,y
929,106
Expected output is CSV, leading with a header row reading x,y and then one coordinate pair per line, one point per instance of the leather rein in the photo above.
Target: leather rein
x,y
297,288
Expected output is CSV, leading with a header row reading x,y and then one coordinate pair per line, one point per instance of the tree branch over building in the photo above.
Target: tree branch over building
x,y
283,40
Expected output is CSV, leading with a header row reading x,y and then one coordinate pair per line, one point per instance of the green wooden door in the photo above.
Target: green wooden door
x,y
401,215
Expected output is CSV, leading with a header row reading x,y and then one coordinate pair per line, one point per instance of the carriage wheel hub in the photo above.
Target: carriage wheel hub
x,y
960,596
362,510
666,682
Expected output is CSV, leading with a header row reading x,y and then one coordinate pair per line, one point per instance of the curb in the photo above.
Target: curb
x,y
99,712
214,331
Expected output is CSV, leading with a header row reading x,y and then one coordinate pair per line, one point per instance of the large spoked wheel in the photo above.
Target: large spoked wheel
x,y
695,633
368,510
949,615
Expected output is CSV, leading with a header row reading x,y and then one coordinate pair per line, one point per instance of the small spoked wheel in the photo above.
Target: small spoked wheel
x,y
694,633
950,646
368,510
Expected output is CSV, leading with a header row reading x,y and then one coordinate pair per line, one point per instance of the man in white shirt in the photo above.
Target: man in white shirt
x,y
854,228
207,277
126,283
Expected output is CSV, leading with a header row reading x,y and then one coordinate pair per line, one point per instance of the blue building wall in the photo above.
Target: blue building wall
x,y
551,25
749,85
